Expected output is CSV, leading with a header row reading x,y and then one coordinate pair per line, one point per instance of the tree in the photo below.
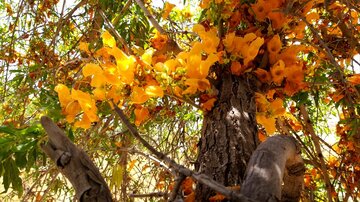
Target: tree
x,y
251,68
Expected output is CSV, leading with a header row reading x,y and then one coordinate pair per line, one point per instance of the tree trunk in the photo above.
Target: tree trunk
x,y
229,135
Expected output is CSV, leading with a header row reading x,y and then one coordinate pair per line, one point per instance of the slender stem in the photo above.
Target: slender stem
x,y
316,142
114,31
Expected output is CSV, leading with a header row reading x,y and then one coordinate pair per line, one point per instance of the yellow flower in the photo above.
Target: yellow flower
x,y
63,94
267,122
276,107
83,46
195,85
84,123
99,93
193,66
154,91
250,53
87,104
167,9
96,71
171,65
111,73
229,41
71,110
138,95
108,40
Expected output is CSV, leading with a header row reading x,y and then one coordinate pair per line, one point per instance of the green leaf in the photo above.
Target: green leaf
x,y
7,130
20,159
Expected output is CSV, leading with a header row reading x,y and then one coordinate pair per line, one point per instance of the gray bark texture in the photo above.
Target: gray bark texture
x,y
275,171
75,164
229,135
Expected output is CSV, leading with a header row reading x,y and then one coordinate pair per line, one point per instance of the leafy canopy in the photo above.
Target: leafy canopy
x,y
73,62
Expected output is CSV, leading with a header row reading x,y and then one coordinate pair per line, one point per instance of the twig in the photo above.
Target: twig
x,y
150,17
175,191
201,178
66,17
155,194
315,139
117,35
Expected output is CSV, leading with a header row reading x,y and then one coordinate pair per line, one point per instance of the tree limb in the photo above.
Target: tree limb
x,y
75,164
275,161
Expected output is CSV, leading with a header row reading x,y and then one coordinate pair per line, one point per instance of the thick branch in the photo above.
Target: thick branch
x,y
75,164
275,161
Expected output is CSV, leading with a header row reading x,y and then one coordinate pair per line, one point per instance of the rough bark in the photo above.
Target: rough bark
x,y
275,162
75,164
229,135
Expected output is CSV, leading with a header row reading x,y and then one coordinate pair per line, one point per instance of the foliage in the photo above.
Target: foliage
x,y
72,62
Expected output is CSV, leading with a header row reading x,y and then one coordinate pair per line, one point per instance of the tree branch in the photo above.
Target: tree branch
x,y
201,178
157,26
275,161
75,164
116,33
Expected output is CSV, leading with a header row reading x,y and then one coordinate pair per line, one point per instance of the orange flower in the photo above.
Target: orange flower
x,y
83,46
263,75
277,72
274,45
159,41
96,71
208,105
294,73
141,114
278,19
85,122
253,50
261,10
289,55
355,79
236,68
292,87
229,41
